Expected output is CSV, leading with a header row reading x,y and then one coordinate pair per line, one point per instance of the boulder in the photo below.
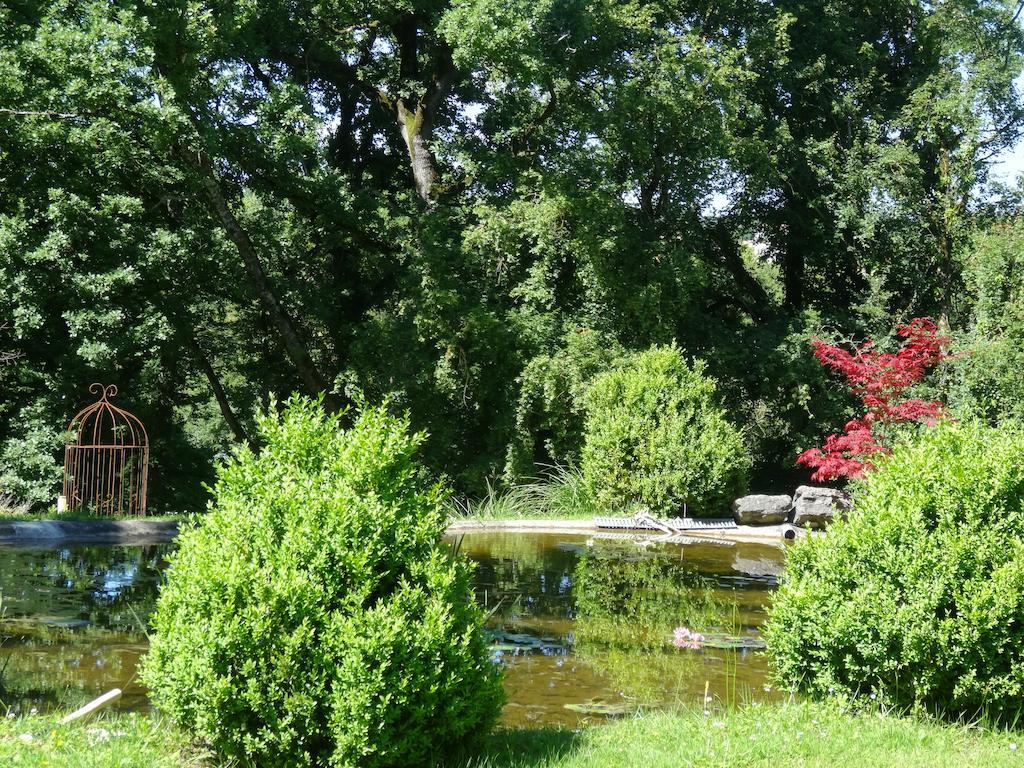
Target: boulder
x,y
760,509
817,507
767,569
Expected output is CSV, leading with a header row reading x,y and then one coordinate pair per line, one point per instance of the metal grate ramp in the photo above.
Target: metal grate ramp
x,y
646,523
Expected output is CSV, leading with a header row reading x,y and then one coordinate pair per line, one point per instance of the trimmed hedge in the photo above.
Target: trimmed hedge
x,y
917,598
655,435
314,617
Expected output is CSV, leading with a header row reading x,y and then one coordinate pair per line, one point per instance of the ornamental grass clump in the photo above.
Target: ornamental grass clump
x,y
313,616
917,599
656,436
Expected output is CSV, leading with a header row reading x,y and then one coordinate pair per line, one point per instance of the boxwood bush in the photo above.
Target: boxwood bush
x,y
313,616
655,435
918,598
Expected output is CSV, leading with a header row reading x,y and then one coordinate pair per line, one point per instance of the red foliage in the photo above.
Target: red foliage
x,y
879,379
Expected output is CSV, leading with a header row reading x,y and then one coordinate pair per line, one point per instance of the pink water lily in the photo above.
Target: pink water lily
x,y
686,638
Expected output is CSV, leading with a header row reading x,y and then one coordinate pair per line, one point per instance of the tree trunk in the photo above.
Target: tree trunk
x,y
295,348
413,115
218,390
415,118
415,135
797,238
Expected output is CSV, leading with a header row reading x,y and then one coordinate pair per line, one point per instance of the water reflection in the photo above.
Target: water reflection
x,y
73,622
582,627
628,603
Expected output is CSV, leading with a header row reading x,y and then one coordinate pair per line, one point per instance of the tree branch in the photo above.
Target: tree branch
x,y
756,300
316,63
230,418
7,357
1016,14
314,381
518,142
52,115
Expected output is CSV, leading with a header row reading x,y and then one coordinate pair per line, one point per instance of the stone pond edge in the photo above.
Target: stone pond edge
x,y
43,532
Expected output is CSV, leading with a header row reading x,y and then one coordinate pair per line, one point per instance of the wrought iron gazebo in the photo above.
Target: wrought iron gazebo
x,y
106,466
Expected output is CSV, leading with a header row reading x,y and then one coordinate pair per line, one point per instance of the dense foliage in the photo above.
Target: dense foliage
x,y
656,436
880,380
984,379
917,598
474,206
313,616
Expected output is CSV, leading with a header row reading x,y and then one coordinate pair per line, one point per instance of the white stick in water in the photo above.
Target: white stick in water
x,y
92,706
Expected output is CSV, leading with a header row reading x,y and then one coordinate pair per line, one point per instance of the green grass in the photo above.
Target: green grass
x,y
12,508
11,505
759,737
787,736
114,741
561,495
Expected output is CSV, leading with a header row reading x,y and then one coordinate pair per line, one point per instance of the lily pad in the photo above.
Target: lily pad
x,y
603,708
519,641
733,642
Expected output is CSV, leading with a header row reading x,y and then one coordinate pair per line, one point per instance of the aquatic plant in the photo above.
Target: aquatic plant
x,y
683,637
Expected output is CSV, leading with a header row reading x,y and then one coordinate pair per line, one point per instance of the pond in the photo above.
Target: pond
x,y
582,625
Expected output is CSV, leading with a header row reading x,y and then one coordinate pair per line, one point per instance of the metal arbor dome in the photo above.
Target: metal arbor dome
x,y
106,464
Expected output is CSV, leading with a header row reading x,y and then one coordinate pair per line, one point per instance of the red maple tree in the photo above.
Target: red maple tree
x,y
880,380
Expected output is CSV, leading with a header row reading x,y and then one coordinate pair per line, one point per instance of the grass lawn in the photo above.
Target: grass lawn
x,y
115,741
788,736
806,735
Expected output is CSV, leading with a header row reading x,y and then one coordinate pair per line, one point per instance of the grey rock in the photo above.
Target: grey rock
x,y
759,567
98,531
816,508
760,509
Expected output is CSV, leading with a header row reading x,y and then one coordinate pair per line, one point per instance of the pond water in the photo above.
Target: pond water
x,y
582,625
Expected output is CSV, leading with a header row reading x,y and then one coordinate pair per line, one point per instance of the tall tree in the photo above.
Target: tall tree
x,y
468,207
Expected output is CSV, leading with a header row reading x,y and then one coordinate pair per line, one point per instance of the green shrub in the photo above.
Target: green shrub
x,y
983,379
655,435
313,616
550,411
28,467
917,598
